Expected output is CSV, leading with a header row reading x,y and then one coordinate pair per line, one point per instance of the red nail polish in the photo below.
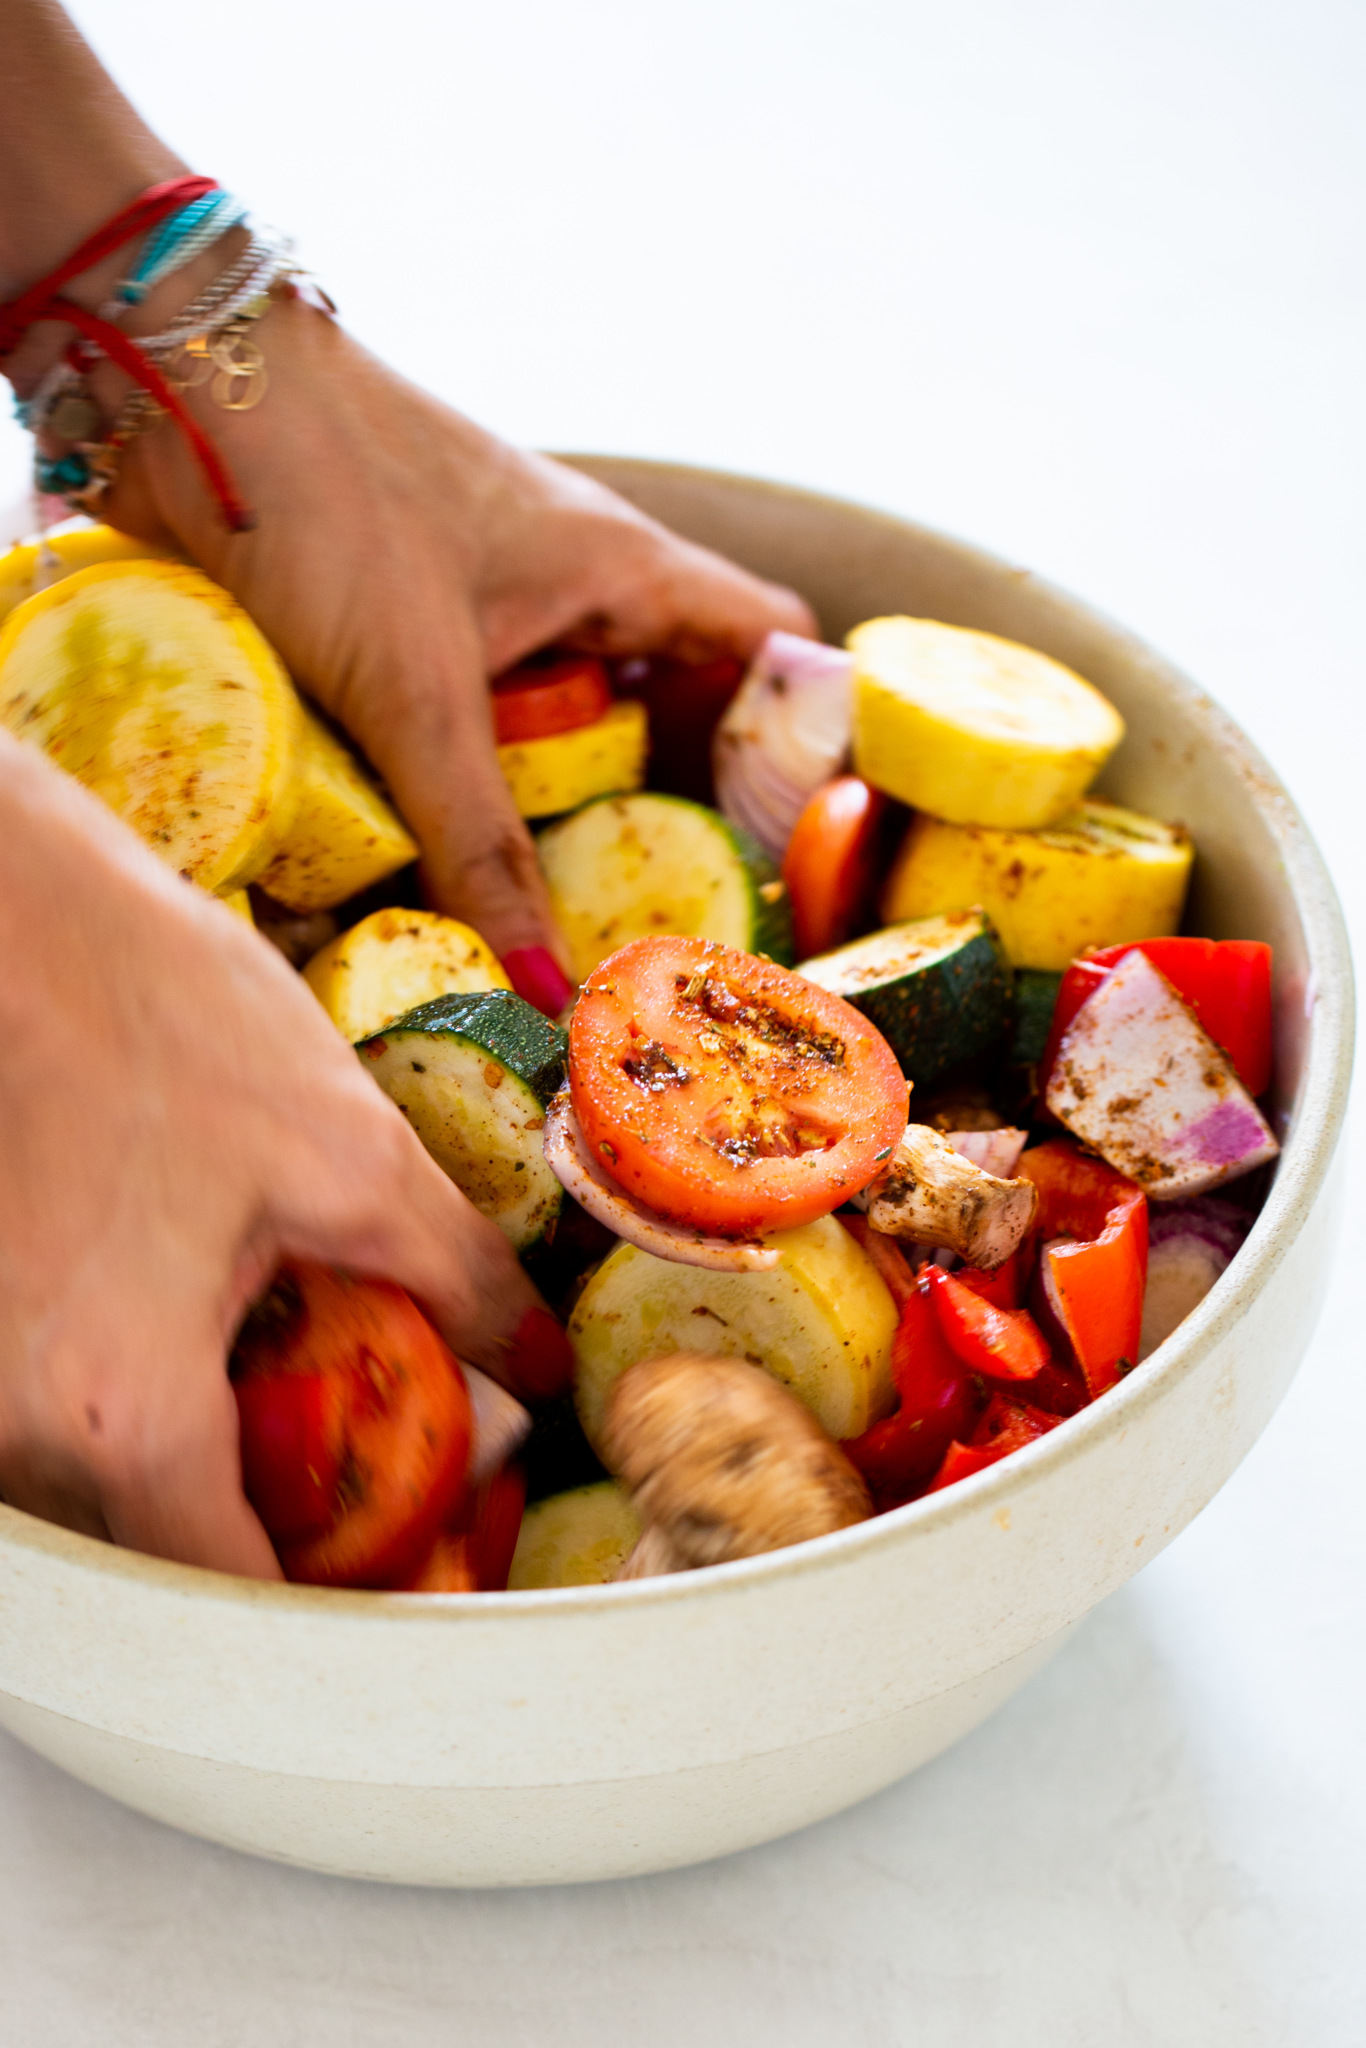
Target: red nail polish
x,y
536,977
540,1361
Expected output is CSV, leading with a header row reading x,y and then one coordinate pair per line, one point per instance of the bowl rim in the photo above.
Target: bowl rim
x,y
1302,1170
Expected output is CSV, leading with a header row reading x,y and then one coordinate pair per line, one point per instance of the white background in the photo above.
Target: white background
x,y
1082,282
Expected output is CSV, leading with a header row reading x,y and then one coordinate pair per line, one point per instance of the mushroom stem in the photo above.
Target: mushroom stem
x,y
930,1194
722,1462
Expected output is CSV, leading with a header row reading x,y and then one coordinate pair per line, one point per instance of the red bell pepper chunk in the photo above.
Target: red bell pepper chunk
x,y
685,700
938,1402
1225,983
1003,1287
473,1554
1093,1262
1005,1426
1005,1343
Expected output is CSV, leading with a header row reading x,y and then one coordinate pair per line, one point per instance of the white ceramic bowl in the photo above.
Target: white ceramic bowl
x,y
539,1737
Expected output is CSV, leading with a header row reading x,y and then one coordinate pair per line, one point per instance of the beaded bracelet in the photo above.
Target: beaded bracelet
x,y
207,343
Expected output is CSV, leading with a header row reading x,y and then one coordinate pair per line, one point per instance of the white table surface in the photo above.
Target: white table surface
x,y
1083,283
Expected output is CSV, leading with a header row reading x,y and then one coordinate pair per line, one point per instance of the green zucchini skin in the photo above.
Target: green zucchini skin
x,y
509,1029
950,1000
473,1073
1036,996
701,876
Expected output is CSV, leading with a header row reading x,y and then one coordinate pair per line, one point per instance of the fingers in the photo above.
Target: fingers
x,y
139,1442
431,737
405,1221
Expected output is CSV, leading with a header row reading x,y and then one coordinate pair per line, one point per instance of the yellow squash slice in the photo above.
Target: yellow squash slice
x,y
565,769
972,728
344,837
821,1321
579,1538
151,686
239,903
34,565
1099,877
392,961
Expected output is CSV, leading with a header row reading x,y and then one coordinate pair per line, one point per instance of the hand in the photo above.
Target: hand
x,y
177,1114
401,556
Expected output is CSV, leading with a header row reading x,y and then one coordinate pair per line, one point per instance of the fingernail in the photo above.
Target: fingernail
x,y
540,1361
537,978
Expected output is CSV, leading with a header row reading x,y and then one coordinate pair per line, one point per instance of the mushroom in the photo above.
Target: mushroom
x,y
722,1462
930,1194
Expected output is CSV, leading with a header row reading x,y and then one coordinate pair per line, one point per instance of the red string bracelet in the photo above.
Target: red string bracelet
x,y
44,301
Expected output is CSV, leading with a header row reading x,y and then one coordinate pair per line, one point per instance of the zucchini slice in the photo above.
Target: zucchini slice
x,y
565,769
821,1321
1036,998
392,961
938,989
150,685
473,1074
580,1538
344,837
1102,876
633,867
974,728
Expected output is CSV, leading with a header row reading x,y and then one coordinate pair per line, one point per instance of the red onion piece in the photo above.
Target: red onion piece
x,y
784,733
500,1423
574,1166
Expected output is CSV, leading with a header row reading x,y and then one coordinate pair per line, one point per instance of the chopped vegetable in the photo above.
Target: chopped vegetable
x,y
1190,1244
726,1094
1226,983
938,989
937,1401
1004,1344
830,866
34,565
544,697
579,1538
343,836
972,728
473,1075
239,903
355,1427
997,1151
638,866
821,1322
1093,1261
1036,998
721,1463
784,734
1005,1426
931,1195
151,686
1100,876
565,769
394,960
579,1172
475,1555
685,700
1137,1079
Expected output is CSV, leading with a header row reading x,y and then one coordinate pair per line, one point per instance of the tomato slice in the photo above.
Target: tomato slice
x,y
830,863
292,1427
726,1094
543,697
400,1417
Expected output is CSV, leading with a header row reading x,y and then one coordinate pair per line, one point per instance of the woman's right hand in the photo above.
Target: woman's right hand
x,y
177,1114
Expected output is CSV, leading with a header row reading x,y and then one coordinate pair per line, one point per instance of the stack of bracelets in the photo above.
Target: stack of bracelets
x,y
209,343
